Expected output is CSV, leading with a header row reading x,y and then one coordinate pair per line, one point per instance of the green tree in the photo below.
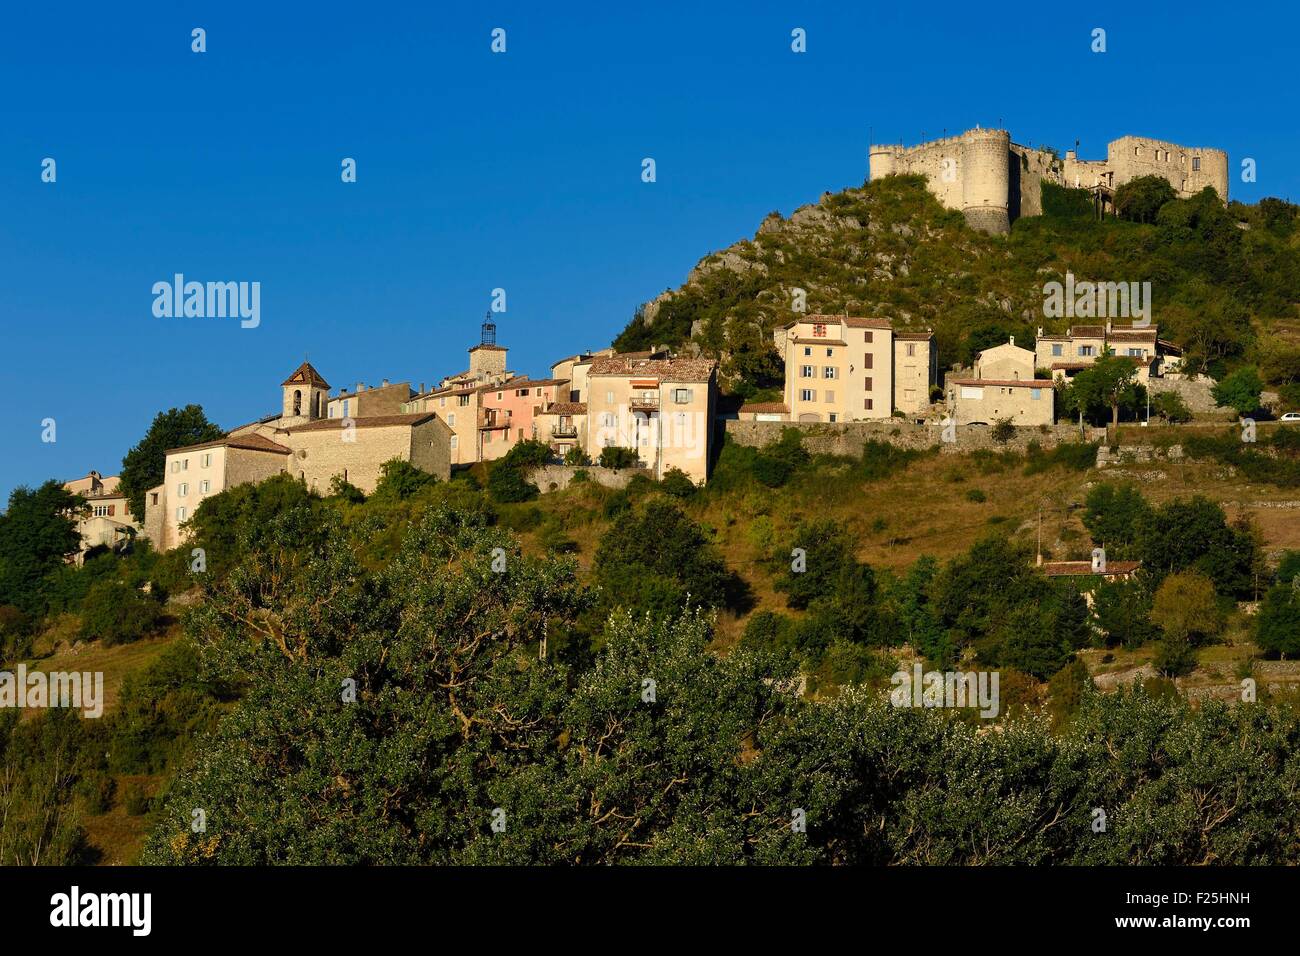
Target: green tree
x,y
227,524
38,532
1194,534
1277,627
1140,199
655,558
15,633
116,613
1186,606
1115,516
399,480
1171,407
617,458
678,484
992,599
1122,612
143,465
1239,390
1110,383
341,488
507,485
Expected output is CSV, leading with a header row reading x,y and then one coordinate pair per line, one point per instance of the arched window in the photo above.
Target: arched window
x,y
297,402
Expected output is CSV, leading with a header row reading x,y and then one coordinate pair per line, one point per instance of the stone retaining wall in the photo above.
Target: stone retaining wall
x,y
557,477
849,438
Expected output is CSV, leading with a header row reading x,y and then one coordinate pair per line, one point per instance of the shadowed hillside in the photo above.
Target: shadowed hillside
x,y
1225,281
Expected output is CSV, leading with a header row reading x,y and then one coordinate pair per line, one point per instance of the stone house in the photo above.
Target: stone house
x,y
107,520
1067,354
302,441
847,368
662,408
1003,386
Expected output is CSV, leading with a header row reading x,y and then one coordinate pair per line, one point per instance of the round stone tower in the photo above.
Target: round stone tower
x,y
985,164
880,162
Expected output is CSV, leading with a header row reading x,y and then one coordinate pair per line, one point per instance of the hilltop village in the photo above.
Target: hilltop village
x,y
662,406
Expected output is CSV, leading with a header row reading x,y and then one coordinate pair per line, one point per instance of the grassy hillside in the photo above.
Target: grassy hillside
x,y
1225,282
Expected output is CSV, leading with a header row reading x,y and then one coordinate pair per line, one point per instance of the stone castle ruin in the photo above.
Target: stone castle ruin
x,y
994,181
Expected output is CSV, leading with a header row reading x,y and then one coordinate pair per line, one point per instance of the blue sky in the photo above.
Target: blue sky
x,y
518,170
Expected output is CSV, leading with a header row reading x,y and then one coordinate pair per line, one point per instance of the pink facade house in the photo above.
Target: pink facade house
x,y
507,412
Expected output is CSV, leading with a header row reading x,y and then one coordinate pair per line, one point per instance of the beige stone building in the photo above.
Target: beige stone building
x,y
107,520
994,181
574,369
662,408
916,371
459,399
198,472
563,425
367,401
1003,386
304,442
845,368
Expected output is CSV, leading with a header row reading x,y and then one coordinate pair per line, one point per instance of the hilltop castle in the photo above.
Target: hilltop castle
x,y
994,181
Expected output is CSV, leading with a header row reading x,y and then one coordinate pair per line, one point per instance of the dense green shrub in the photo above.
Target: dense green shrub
x,y
116,613
617,458
678,484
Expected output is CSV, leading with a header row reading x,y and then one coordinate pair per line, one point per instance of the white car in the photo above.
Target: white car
x,y
1290,417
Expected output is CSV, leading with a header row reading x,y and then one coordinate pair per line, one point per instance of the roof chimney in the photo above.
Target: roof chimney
x,y
421,392
361,386
385,384
1040,331
1012,339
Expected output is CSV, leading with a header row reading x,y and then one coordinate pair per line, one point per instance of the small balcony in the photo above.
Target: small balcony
x,y
565,430
645,403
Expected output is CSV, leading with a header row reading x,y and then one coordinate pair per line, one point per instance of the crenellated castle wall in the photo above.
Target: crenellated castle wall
x,y
994,181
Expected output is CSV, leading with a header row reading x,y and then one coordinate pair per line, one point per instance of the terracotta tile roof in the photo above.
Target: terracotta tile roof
x,y
819,342
1013,383
765,407
249,442
1056,569
1136,335
370,421
583,357
915,336
566,408
1088,331
851,321
667,370
522,381
306,375
261,421
540,382
450,390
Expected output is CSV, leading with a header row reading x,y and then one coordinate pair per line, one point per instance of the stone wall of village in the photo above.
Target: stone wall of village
x,y
558,477
849,438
